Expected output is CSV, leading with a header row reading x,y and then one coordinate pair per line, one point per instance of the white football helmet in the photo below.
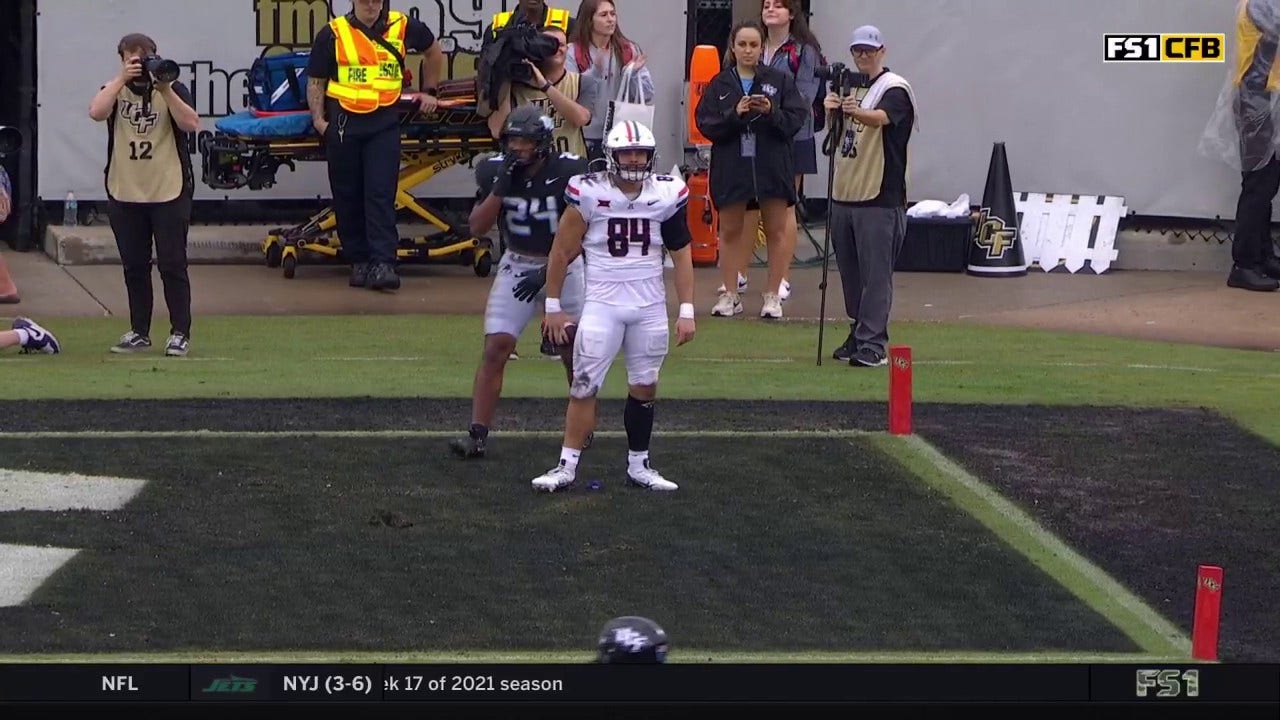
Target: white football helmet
x,y
629,135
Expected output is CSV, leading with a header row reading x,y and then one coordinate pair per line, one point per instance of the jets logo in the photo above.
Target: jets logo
x,y
142,122
994,235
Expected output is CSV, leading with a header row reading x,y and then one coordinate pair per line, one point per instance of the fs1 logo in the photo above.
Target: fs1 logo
x,y
1169,682
1165,47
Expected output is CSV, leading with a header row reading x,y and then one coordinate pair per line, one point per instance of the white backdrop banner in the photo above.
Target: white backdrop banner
x,y
1030,73
1026,72
216,42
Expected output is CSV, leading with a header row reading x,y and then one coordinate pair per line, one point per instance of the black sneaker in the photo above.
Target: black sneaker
x,y
1251,279
359,275
383,277
1271,268
845,352
470,447
868,357
177,346
132,342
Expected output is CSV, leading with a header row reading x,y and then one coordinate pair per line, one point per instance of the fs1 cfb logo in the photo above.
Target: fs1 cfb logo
x,y
1165,47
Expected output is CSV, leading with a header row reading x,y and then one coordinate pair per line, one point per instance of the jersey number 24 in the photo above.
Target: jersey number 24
x,y
625,232
522,212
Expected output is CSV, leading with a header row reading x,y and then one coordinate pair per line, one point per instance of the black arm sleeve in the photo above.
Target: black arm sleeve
x,y
486,175
675,230
323,61
418,37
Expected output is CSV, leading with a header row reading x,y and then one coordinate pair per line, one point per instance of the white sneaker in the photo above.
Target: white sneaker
x,y
772,308
728,305
557,478
784,290
649,479
742,284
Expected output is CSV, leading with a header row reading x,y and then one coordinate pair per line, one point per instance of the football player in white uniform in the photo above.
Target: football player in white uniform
x,y
620,221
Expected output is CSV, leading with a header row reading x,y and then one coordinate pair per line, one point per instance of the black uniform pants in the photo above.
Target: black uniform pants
x,y
1252,242
136,226
364,171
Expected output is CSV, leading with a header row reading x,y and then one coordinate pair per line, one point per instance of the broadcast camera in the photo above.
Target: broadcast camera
x,y
10,140
841,79
525,42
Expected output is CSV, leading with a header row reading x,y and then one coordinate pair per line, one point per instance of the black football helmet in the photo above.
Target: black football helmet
x,y
632,640
528,121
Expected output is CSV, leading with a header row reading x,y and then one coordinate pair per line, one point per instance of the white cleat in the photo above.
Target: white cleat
x,y
649,479
784,290
557,478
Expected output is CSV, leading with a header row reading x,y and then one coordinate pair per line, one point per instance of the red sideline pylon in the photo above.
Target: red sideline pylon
x,y
899,390
8,290
1204,629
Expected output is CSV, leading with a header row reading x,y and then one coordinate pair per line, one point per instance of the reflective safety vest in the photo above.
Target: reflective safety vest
x,y
555,18
369,75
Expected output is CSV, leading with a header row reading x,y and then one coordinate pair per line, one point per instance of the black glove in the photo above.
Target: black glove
x,y
528,288
507,176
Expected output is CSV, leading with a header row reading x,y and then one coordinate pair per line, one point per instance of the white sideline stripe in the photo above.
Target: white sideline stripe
x,y
56,492
159,358
250,434
23,569
1095,575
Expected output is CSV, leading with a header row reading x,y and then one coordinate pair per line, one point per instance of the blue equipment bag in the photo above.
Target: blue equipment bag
x,y
278,83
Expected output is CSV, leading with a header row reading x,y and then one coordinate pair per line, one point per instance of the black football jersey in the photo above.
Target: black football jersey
x,y
531,213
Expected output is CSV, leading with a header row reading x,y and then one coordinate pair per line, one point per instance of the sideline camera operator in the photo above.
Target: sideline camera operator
x,y
149,185
526,63
868,140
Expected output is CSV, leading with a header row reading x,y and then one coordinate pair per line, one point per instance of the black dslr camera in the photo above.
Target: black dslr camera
x,y
10,140
841,79
159,69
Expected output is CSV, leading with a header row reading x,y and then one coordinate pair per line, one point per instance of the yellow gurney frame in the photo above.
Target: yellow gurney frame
x,y
453,135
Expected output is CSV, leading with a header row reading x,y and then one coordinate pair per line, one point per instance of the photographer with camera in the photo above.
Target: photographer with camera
x,y
149,185
567,100
355,80
871,121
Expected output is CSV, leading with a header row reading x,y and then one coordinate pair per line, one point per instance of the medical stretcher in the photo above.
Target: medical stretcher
x,y
248,150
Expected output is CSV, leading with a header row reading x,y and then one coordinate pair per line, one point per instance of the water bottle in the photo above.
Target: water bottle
x,y
70,211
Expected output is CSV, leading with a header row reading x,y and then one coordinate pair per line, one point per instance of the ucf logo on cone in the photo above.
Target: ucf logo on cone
x,y
994,235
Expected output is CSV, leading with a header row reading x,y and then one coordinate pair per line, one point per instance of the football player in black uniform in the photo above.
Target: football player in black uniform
x,y
524,187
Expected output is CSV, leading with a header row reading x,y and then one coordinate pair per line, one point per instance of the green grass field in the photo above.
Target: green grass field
x,y
897,554
435,356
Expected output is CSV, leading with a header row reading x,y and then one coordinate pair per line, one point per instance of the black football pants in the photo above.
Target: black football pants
x,y
136,226
364,171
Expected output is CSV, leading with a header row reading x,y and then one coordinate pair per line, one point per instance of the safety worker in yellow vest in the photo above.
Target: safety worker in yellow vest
x,y
532,12
356,77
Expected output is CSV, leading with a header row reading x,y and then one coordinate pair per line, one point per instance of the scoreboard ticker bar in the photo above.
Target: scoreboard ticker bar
x,y
675,683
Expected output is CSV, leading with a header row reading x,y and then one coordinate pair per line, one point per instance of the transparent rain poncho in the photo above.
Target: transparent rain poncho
x,y
1242,131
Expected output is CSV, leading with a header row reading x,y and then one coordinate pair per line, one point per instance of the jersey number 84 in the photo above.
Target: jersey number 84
x,y
624,232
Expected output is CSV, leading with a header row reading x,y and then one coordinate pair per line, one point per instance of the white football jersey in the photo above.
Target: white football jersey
x,y
623,247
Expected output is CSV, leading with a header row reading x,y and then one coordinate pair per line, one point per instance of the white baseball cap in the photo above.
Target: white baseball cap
x,y
867,35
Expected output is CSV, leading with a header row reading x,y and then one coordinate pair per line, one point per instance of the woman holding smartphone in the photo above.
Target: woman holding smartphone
x,y
751,112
